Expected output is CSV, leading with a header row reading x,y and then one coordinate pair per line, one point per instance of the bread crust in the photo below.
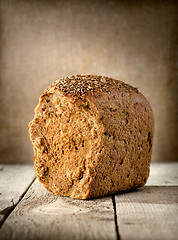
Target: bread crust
x,y
124,125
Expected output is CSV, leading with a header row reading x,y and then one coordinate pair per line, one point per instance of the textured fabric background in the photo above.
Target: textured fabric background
x,y
41,41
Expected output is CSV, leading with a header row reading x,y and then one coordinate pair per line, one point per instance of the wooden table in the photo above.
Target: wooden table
x,y
29,211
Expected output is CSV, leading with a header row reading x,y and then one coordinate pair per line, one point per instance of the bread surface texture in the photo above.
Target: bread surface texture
x,y
92,136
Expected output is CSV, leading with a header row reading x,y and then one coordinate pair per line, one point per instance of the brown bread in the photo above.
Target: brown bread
x,y
92,136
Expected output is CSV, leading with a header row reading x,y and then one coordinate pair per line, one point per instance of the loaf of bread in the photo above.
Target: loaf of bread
x,y
92,136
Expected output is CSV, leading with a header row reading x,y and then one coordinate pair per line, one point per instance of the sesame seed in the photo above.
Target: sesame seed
x,y
83,85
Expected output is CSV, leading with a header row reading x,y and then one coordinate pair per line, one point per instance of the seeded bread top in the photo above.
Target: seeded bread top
x,y
82,85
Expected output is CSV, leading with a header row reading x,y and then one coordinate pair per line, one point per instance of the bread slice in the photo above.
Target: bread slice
x,y
92,136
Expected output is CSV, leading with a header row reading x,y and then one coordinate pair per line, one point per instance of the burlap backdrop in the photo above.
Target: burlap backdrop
x,y
41,41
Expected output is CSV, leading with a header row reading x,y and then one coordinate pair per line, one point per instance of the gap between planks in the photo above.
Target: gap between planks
x,y
7,211
14,181
115,218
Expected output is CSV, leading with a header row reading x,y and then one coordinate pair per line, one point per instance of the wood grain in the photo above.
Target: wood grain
x,y
163,174
14,180
151,212
148,213
42,215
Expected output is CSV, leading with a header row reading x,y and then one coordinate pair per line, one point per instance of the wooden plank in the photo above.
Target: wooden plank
x,y
14,180
150,212
162,174
42,215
